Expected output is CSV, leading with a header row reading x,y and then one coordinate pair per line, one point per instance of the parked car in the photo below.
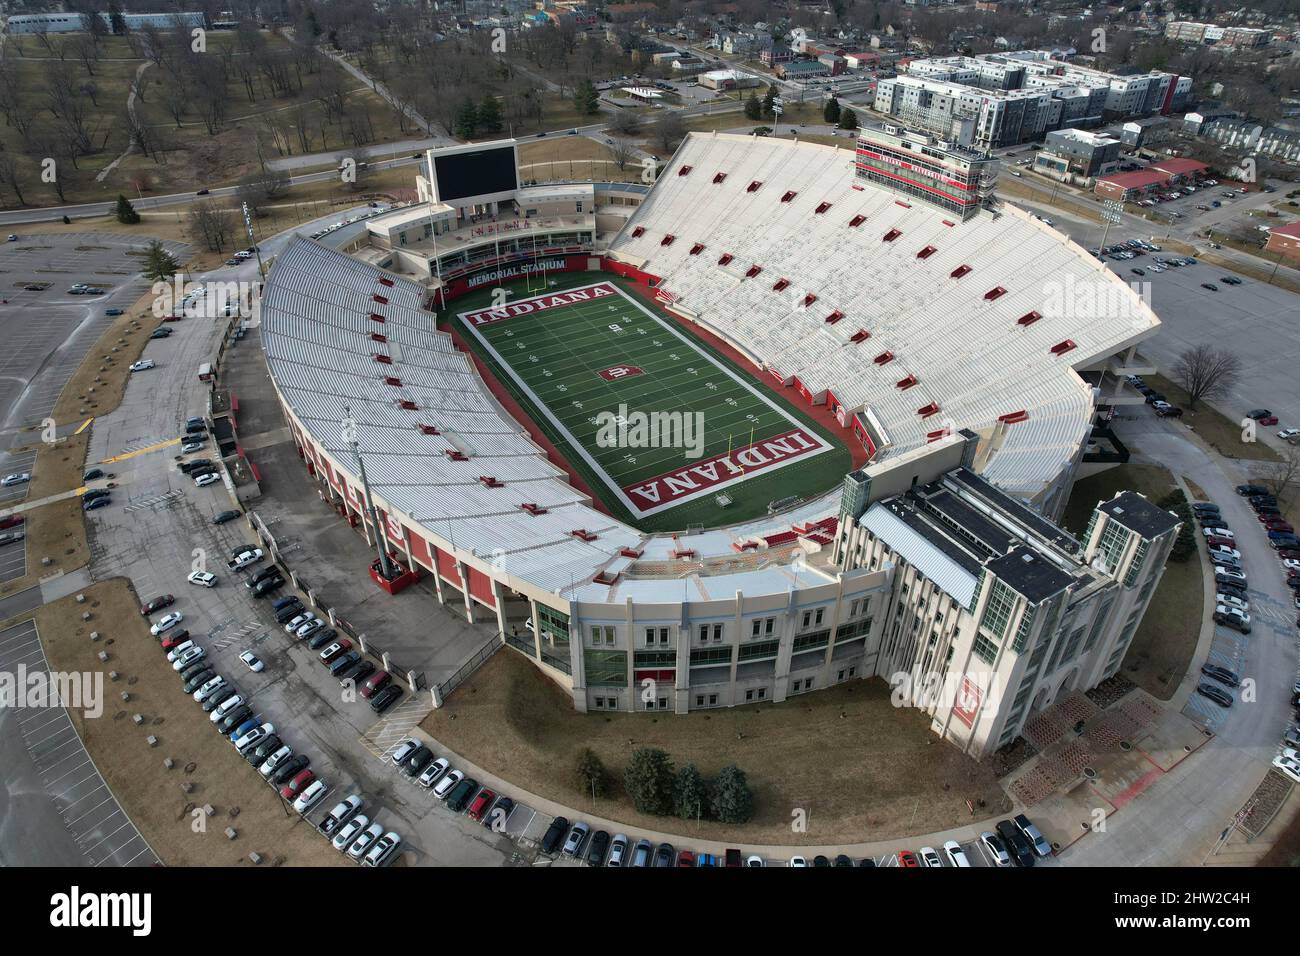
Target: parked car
x,y
385,698
291,769
1022,852
204,480
641,855
349,831
907,859
166,622
994,848
479,808
1233,618
311,795
617,851
576,839
930,858
447,784
433,773
204,579
157,604
460,797
1031,833
383,850
1214,693
955,854
275,762
364,840
374,683
1221,674
555,833
221,517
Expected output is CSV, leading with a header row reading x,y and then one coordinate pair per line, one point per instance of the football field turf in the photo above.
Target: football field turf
x,y
662,424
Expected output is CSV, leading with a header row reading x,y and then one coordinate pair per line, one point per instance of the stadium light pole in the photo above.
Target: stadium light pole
x,y
350,435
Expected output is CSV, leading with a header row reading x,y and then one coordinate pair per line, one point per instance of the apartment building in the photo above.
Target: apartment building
x,y
958,180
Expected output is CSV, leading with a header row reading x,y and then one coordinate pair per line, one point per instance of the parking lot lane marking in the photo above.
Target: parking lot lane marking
x,y
141,451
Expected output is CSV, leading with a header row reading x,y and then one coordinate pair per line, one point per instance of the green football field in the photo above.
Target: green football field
x,y
668,433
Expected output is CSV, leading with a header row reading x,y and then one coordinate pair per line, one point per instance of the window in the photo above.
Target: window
x,y
985,649
1114,537
605,668
998,610
602,635
655,636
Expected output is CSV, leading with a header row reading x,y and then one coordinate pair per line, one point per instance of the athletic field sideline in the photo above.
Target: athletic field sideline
x,y
659,424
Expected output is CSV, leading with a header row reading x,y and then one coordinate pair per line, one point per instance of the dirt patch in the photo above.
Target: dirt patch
x,y
56,531
153,796
883,775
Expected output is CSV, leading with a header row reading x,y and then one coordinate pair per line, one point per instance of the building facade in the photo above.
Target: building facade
x,y
958,180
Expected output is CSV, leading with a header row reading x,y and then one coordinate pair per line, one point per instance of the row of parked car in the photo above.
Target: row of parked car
x,y
1156,400
355,834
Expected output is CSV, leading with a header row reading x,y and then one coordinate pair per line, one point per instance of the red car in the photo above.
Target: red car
x,y
12,521
1268,420
172,640
1217,541
481,804
1279,526
297,785
375,683
1291,553
157,604
907,858
686,858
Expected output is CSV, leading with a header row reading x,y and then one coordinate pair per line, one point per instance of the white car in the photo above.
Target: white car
x,y
434,771
308,629
250,738
191,656
244,559
1229,576
1223,549
190,446
209,479
404,750
225,707
447,784
1216,532
364,840
178,650
141,365
351,830
994,848
166,622
956,855
311,796
382,850
1291,564
1289,767
209,688
298,622
277,759
1236,614
1289,434
252,661
17,478
929,857
797,862
204,579
1229,600
341,813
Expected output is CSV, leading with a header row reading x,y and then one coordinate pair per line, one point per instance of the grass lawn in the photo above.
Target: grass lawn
x,y
1218,430
859,767
614,355
1164,643
1040,191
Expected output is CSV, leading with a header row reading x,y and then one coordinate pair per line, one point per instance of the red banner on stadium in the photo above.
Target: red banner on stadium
x,y
692,480
539,303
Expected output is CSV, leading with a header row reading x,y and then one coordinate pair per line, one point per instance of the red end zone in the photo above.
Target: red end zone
x,y
694,480
539,303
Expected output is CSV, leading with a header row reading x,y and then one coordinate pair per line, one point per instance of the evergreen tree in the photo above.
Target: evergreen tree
x,y
690,794
768,100
126,213
489,114
592,778
848,119
648,780
732,800
585,99
467,120
831,112
753,107
159,264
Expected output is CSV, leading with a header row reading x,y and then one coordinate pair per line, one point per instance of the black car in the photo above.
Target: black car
x,y
1221,674
843,860
555,835
1216,694
501,810
269,571
189,467
193,669
340,664
866,861
288,612
664,855
93,474
290,769
205,470
820,860
1247,490
195,681
233,719
1017,846
94,504
385,698
213,702
356,672
222,517
321,638
420,758
598,847
461,795
265,747
267,586
160,333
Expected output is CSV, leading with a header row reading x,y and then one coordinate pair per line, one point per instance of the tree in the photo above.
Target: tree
x,y
690,794
489,114
669,131
126,213
261,186
831,111
1282,474
648,780
1206,372
592,776
585,99
622,151
754,107
159,264
848,119
211,225
732,800
769,98
466,120
625,122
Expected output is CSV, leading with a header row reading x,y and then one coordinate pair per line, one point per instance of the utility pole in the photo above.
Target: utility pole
x,y
350,436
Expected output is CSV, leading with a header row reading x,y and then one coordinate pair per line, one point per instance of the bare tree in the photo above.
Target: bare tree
x,y
212,225
1282,474
622,151
669,131
260,187
1206,372
13,175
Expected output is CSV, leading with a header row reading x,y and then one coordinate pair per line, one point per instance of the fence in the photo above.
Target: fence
x,y
470,666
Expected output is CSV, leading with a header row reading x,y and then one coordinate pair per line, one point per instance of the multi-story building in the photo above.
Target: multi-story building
x,y
939,173
968,115
1274,142
993,611
1235,38
1077,152
69,22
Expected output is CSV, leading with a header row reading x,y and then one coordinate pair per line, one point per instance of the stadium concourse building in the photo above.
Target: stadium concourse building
x,y
966,355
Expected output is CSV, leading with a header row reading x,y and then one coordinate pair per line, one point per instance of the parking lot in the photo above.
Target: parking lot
x,y
13,556
48,332
59,811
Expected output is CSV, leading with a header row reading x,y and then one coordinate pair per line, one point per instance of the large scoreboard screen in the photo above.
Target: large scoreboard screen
x,y
487,172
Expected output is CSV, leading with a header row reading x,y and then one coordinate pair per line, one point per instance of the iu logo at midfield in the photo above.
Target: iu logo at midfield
x,y
616,372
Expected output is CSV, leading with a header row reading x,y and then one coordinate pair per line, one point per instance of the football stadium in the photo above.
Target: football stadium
x,y
701,443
